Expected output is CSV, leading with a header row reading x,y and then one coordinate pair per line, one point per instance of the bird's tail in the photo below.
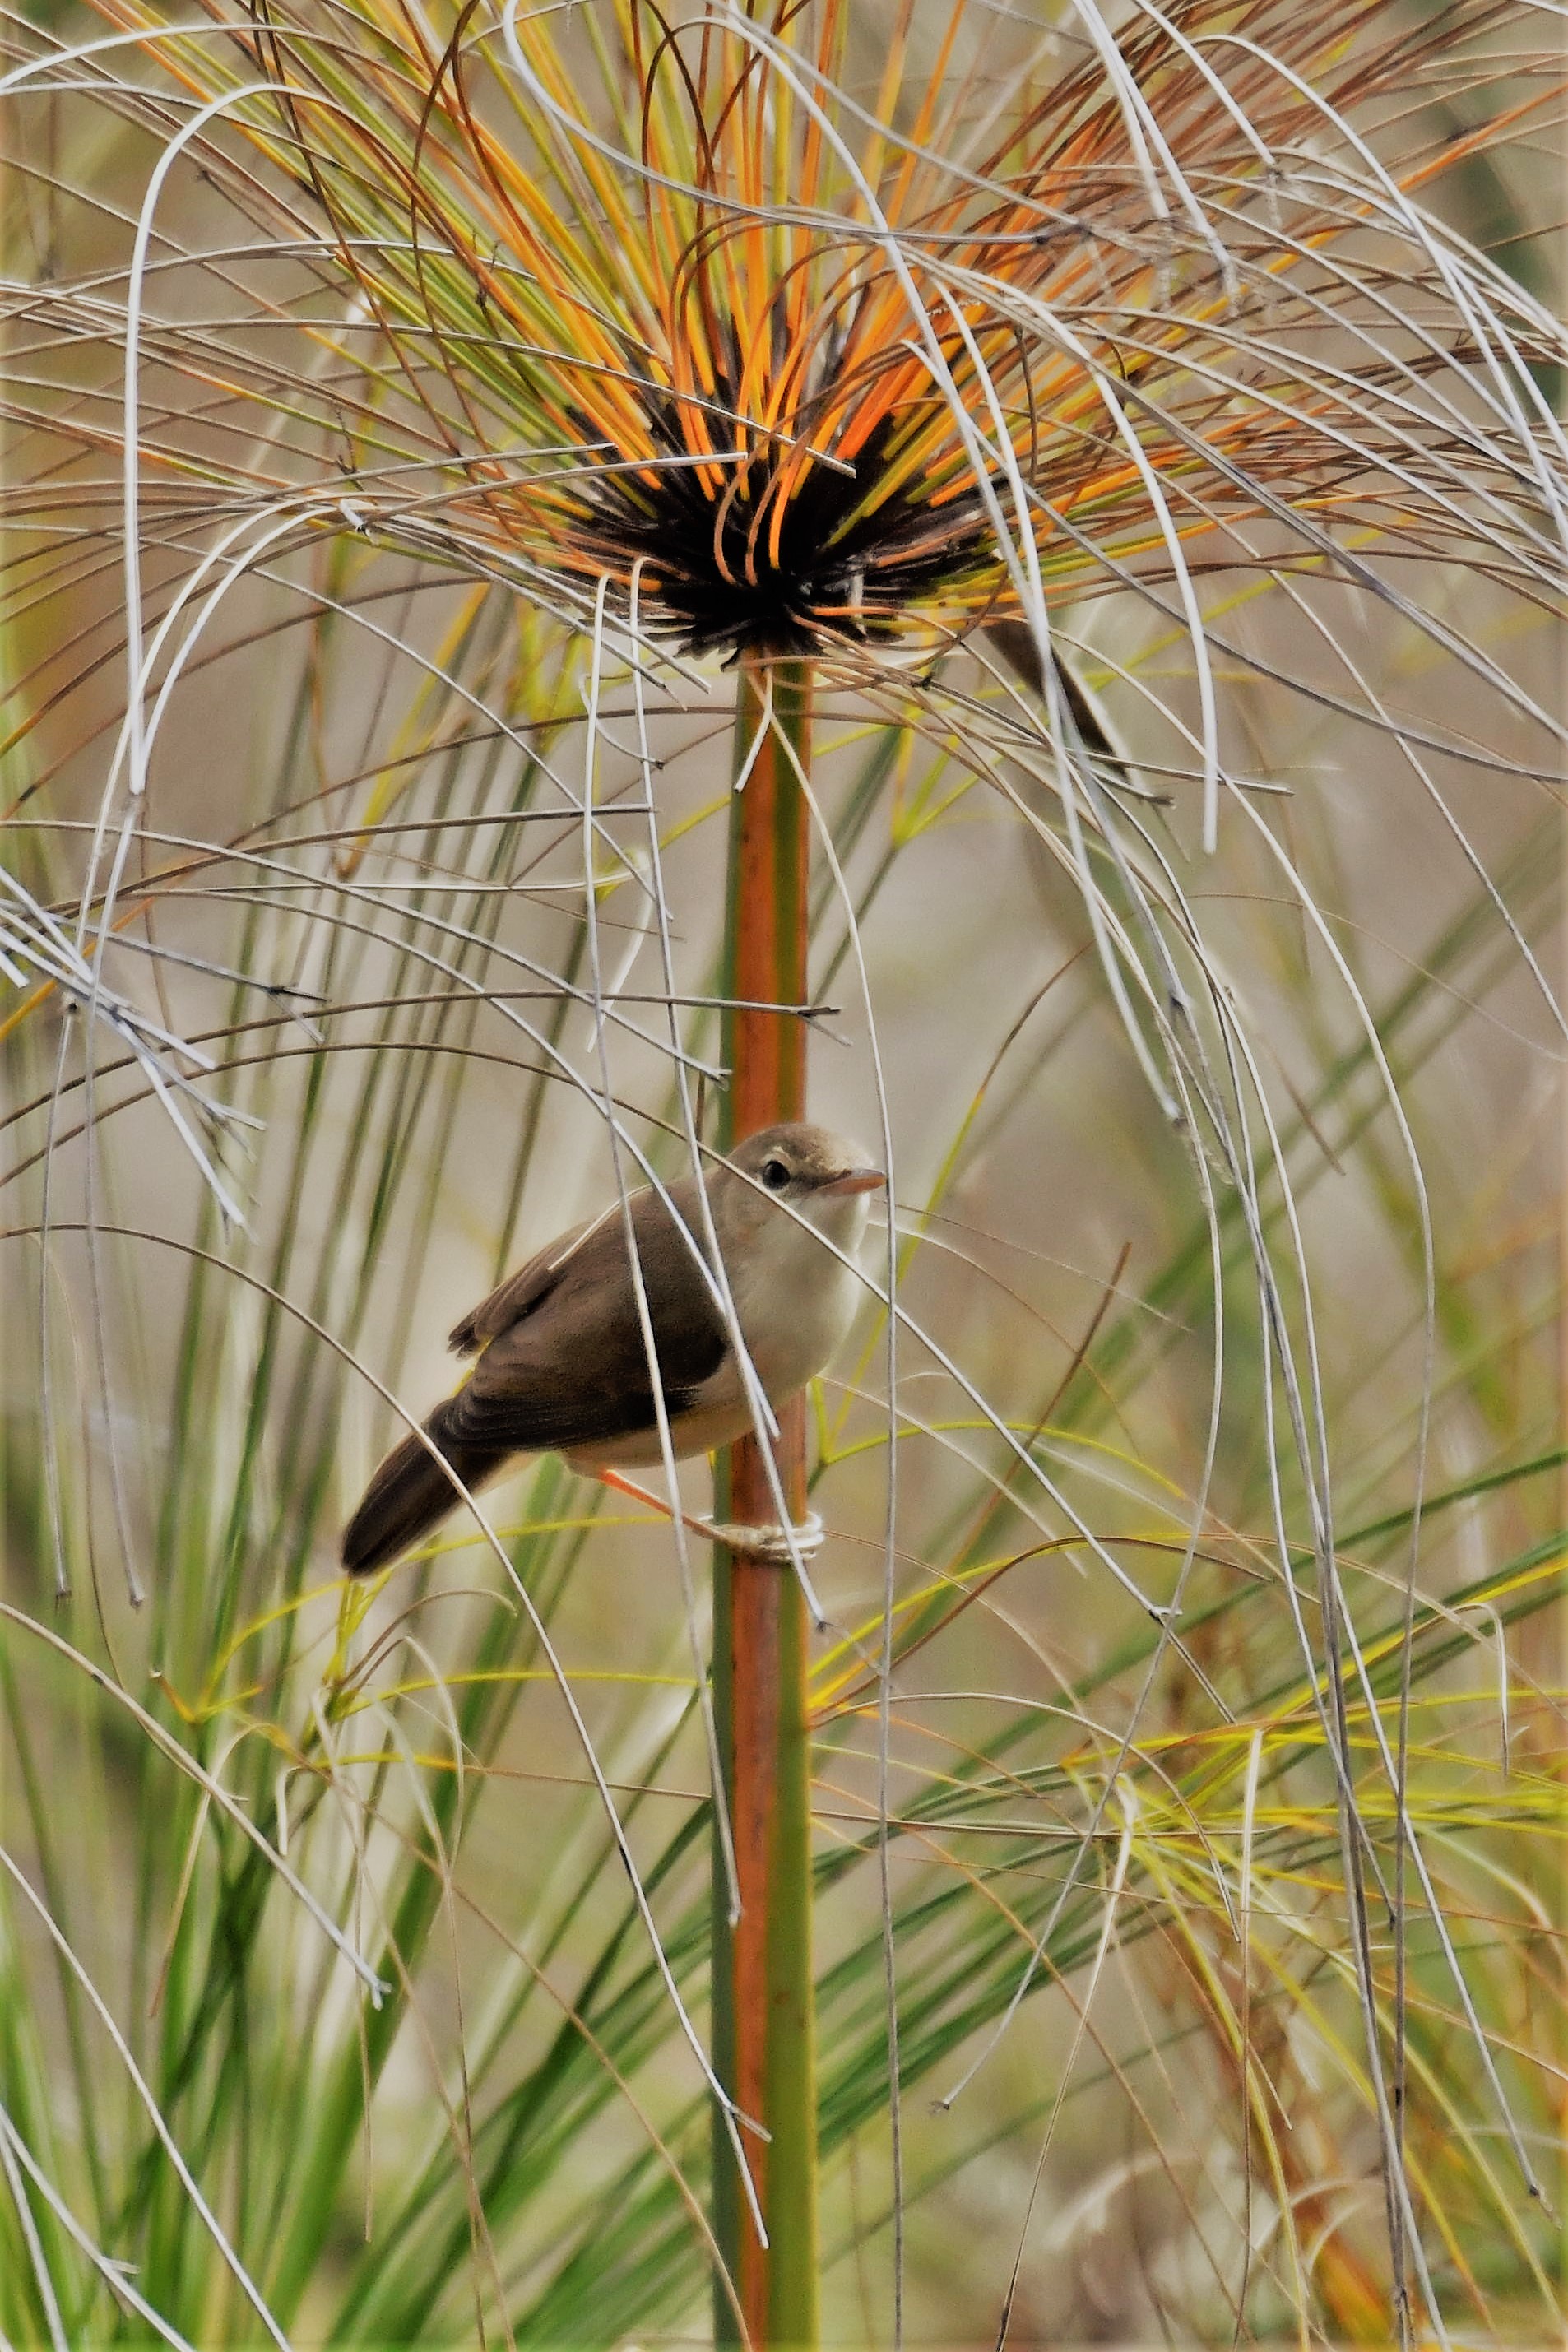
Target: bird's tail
x,y
409,1495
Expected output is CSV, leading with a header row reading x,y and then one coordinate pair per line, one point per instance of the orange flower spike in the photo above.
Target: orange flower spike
x,y
695,368
728,266
807,193
874,156
896,205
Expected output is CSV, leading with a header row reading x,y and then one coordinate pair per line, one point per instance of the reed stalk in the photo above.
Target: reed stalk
x,y
763,1995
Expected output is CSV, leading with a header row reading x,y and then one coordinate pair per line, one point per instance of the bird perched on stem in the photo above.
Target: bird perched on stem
x,y
561,1359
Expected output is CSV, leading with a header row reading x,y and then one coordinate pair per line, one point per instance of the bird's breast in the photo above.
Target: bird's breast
x,y
795,1302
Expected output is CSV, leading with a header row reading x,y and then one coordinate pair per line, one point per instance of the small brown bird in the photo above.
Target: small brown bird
x,y
562,1366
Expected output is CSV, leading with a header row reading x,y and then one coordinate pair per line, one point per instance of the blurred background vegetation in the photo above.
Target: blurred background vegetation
x,y
1137,2097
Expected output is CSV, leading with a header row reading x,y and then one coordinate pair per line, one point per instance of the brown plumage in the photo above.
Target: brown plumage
x,y
561,1364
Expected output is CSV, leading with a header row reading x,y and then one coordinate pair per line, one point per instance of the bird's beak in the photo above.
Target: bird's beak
x,y
854,1180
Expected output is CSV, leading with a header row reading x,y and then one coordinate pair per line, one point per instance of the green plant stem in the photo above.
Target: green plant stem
x,y
763,1994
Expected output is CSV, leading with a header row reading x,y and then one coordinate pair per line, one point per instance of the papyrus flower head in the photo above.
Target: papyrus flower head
x,y
813,342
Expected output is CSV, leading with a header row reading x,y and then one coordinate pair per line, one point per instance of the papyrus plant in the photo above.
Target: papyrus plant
x,y
1009,405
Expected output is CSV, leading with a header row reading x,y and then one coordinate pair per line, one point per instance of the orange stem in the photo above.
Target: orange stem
x,y
762,1980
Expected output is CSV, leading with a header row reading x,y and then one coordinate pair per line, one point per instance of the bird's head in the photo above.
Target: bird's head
x,y
822,1177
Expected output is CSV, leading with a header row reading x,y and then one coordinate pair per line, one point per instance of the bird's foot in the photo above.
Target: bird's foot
x,y
779,1546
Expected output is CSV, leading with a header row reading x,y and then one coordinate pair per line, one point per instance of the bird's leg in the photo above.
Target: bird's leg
x,y
621,1484
772,1542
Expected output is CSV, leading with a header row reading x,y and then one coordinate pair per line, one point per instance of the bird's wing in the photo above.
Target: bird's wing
x,y
570,1368
520,1293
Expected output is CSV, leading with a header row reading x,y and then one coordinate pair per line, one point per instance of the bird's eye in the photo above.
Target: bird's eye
x,y
776,1175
